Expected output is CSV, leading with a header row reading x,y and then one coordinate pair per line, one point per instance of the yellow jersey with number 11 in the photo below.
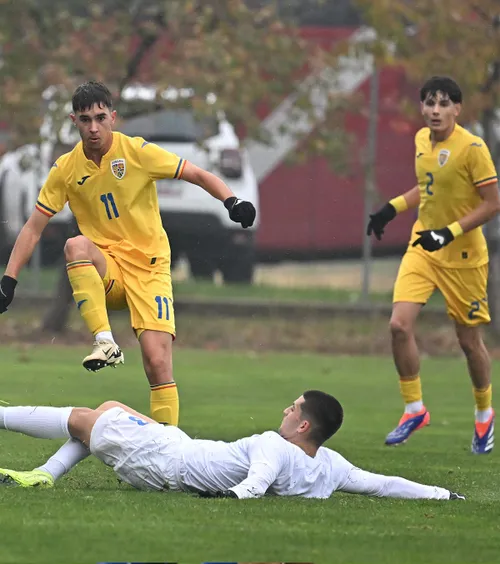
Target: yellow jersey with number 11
x,y
449,175
115,204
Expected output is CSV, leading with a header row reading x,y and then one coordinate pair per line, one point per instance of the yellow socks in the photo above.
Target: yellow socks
x,y
89,295
165,403
411,390
483,398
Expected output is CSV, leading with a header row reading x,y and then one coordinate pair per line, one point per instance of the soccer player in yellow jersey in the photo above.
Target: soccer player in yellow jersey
x,y
122,258
457,192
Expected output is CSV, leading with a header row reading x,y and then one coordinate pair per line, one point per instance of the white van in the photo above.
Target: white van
x,y
198,226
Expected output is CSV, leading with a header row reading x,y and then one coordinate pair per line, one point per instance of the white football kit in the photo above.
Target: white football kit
x,y
152,456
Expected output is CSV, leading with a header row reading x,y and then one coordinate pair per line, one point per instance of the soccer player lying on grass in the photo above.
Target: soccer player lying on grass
x,y
151,456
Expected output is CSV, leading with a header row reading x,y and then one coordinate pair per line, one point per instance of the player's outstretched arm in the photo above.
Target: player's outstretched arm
x,y
388,212
367,483
239,210
21,253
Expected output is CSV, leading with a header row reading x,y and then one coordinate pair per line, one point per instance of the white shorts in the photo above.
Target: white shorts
x,y
143,454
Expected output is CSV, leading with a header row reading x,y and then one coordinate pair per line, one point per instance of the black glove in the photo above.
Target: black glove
x,y
454,495
7,287
240,211
433,239
219,493
380,219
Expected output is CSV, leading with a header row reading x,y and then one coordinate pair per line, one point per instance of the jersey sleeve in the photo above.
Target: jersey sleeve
x,y
53,195
367,483
159,163
267,458
480,164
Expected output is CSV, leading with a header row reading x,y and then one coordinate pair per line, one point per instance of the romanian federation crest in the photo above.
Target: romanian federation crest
x,y
443,157
118,168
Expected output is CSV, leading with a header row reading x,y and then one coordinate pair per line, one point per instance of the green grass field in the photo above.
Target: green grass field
x,y
89,517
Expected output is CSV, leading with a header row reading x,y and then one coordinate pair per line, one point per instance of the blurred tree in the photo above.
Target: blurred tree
x,y
249,56
459,38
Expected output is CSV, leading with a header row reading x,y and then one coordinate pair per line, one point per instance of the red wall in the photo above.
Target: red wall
x,y
308,208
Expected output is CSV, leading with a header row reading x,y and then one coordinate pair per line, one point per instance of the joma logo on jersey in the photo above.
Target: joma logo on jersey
x,y
443,157
118,168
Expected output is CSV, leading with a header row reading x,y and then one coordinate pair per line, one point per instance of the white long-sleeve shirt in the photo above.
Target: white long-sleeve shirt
x,y
267,463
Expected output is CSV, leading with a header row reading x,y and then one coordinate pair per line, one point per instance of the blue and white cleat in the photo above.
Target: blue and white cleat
x,y
484,437
408,424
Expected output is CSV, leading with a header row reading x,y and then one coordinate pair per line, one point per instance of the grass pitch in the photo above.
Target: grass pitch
x,y
89,517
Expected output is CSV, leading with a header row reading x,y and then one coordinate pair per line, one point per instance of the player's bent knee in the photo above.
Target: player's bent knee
x,y
76,248
80,421
399,327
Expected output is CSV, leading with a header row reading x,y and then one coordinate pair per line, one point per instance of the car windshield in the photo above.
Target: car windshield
x,y
179,125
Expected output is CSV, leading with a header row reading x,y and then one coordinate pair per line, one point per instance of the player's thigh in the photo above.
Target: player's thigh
x,y
464,291
150,301
113,284
415,282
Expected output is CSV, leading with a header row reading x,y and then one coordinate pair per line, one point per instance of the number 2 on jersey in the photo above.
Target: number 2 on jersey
x,y
109,202
428,190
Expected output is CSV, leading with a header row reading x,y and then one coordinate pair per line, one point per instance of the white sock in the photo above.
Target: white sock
x,y
66,458
483,415
40,422
104,336
414,406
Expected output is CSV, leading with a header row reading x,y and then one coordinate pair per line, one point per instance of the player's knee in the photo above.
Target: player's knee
x,y
469,343
78,419
400,328
157,364
76,248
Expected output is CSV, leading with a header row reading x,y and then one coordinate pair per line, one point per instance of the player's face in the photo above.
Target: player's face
x,y
95,127
292,419
440,113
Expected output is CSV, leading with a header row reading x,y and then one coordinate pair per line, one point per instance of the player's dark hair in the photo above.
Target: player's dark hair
x,y
324,413
443,84
90,93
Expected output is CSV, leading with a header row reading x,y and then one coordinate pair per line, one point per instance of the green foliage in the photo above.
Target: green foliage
x,y
458,38
249,57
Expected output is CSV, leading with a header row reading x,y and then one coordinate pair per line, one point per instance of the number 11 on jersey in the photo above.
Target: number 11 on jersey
x,y
109,202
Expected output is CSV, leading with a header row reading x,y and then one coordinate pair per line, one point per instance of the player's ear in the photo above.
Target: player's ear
x,y
73,118
113,117
458,109
304,426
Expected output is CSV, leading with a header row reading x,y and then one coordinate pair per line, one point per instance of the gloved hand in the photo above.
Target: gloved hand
x,y
219,493
7,287
240,211
380,219
433,239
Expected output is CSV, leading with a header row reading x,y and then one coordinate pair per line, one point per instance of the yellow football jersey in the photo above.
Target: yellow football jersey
x,y
115,204
448,176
